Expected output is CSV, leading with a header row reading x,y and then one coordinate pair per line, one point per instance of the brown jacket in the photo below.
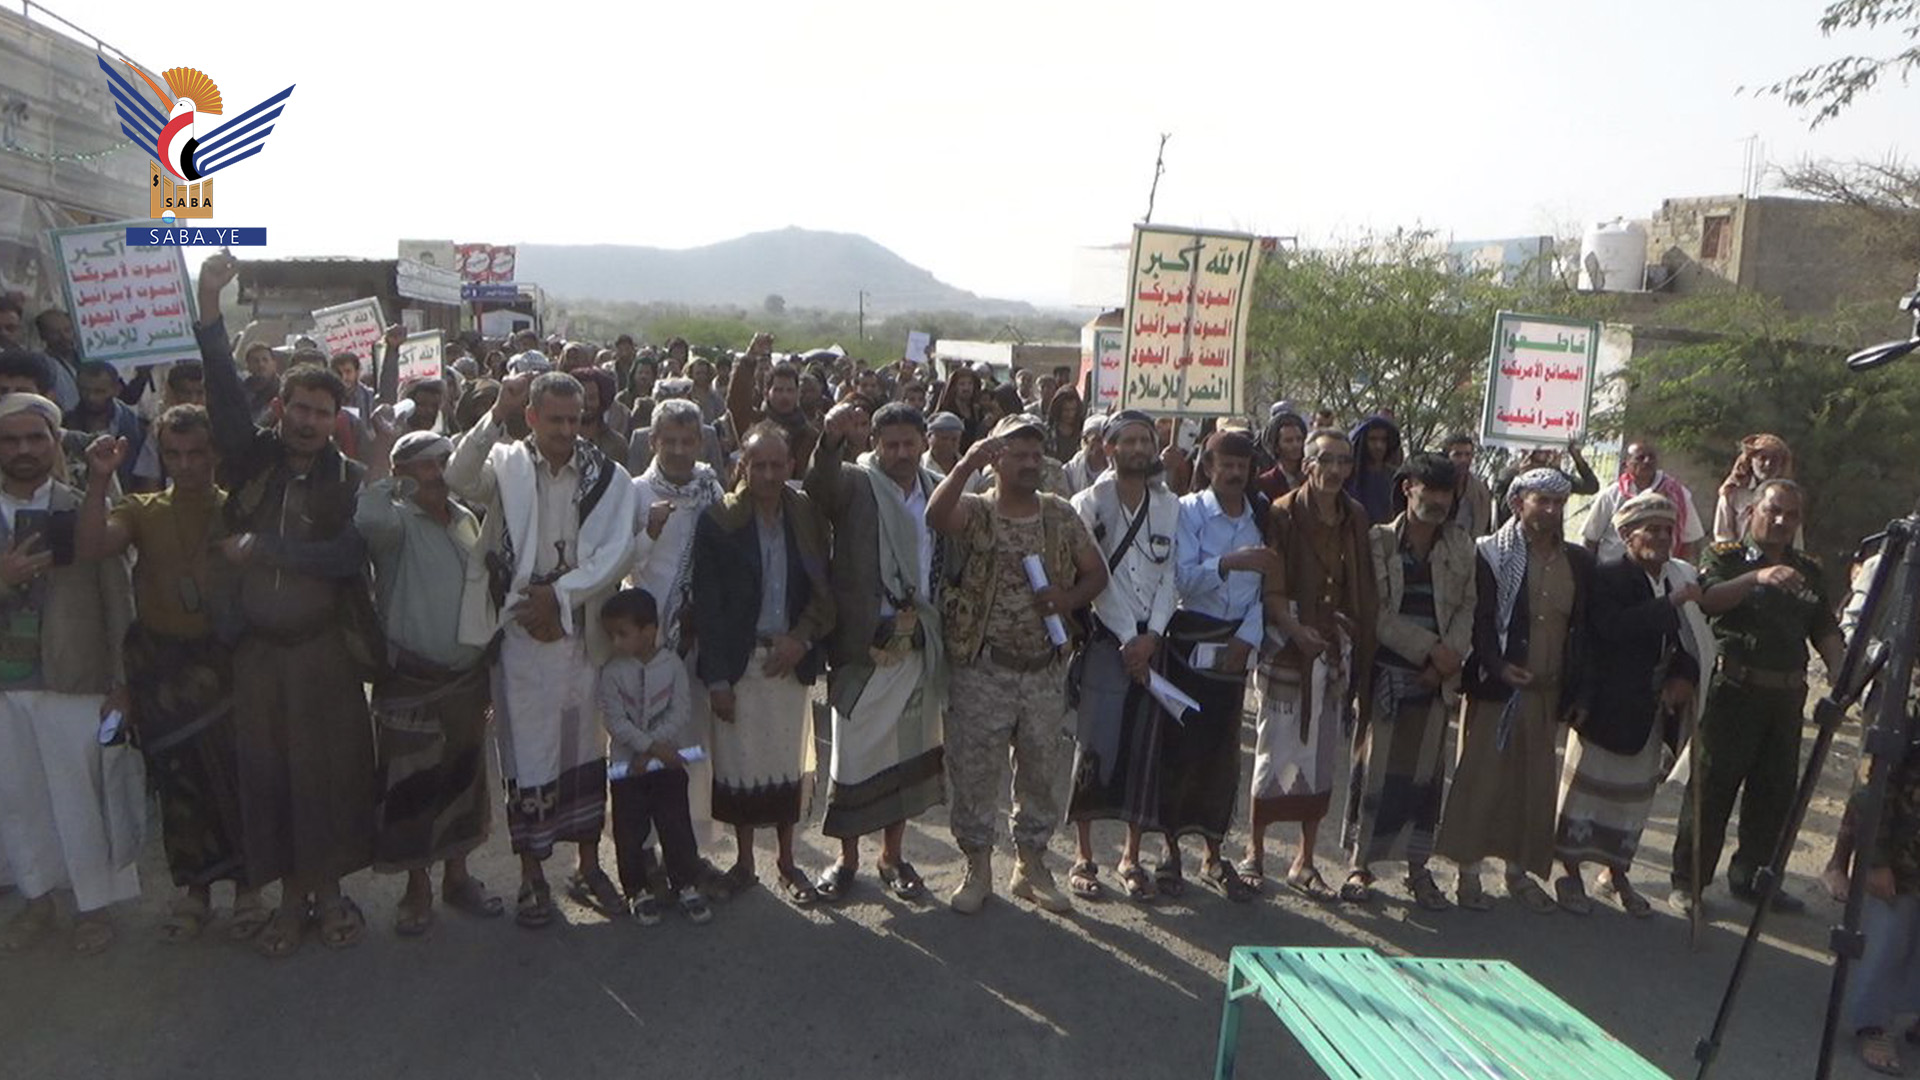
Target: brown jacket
x,y
1305,580
88,609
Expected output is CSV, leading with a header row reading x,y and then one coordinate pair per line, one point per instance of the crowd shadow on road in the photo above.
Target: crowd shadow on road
x,y
873,987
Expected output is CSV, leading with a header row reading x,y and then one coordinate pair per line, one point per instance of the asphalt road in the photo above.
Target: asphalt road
x,y
872,988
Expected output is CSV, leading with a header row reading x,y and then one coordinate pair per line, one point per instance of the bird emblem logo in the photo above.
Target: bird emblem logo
x,y
170,133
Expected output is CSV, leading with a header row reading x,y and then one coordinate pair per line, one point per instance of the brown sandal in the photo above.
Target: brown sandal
x,y
1878,1052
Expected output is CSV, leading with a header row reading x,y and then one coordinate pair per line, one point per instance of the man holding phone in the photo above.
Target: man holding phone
x,y
62,623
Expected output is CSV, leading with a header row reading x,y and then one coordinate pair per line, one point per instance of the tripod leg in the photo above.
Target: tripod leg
x,y
1696,784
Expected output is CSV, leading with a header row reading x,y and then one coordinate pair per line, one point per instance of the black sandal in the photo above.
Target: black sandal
x,y
834,883
1358,888
534,907
798,889
903,879
1220,874
596,890
1083,880
1168,878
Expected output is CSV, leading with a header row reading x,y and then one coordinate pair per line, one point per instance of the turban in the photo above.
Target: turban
x,y
532,361
675,386
1125,419
1094,424
1641,509
46,410
945,421
421,446
1544,481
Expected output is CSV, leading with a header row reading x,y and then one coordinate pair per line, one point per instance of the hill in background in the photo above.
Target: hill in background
x,y
805,268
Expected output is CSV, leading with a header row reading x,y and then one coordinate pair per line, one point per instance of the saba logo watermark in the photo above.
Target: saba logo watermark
x,y
180,176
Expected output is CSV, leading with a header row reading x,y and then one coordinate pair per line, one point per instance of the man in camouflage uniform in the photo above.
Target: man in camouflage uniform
x,y
1008,678
1768,602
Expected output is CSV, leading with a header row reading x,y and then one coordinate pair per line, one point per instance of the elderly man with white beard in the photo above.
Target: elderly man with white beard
x,y
1651,643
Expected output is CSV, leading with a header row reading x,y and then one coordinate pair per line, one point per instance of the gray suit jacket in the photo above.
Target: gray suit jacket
x,y
845,496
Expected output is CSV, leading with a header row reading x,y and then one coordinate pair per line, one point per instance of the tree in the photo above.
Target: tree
x,y
1393,324
1832,86
775,304
1887,193
1751,368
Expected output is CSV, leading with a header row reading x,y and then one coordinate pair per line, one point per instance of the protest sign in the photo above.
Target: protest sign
x,y
1186,321
420,356
1108,362
130,305
919,342
354,327
1539,379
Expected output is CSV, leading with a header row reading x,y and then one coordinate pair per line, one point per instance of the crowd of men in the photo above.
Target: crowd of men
x,y
300,601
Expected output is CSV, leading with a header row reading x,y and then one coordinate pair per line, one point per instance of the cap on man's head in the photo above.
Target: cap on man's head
x,y
945,421
421,446
1020,424
1125,419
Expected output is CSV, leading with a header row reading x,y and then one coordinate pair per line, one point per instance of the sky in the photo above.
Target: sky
x,y
988,141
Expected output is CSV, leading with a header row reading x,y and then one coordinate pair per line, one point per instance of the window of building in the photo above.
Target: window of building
x,y
1716,237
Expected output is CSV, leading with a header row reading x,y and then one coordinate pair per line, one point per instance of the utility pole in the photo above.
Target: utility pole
x,y
863,314
1159,166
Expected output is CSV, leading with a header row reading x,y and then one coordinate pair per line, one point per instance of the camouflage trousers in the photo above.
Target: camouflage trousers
x,y
995,714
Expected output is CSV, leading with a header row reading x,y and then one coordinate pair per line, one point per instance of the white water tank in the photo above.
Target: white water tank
x,y
1613,257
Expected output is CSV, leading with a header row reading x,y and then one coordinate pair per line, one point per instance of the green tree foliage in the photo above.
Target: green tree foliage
x,y
1393,324
1855,437
1830,87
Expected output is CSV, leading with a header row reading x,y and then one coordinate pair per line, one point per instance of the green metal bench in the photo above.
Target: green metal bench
x,y
1363,1016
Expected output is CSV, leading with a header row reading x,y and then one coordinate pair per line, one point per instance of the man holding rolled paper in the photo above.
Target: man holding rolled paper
x,y
1116,768
1006,641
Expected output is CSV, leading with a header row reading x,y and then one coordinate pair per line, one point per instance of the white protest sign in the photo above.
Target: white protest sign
x,y
918,343
1188,294
1109,362
130,305
354,327
420,356
1539,379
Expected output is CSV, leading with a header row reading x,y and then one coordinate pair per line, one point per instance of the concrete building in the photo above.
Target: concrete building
x,y
63,158
1806,253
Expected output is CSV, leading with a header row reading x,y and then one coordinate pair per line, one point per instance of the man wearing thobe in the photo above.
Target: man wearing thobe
x,y
305,647
430,701
1528,675
888,676
1220,558
62,621
1323,603
555,541
1116,767
669,495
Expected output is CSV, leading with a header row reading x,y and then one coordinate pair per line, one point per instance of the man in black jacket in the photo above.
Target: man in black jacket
x,y
761,606
1648,634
